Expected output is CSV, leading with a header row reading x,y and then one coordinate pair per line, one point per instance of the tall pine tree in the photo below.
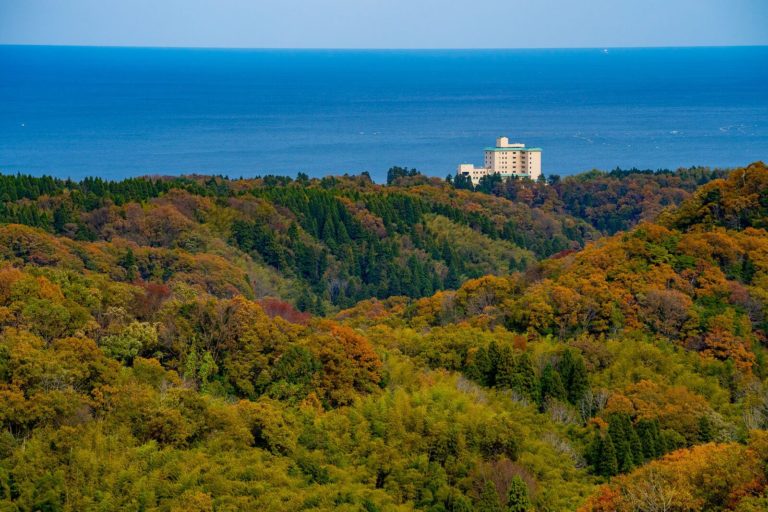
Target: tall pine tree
x,y
574,374
525,381
620,430
603,455
551,386
489,499
517,497
505,367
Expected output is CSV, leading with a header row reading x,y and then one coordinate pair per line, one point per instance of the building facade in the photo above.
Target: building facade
x,y
506,159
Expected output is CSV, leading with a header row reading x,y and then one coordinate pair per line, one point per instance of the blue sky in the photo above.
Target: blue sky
x,y
385,23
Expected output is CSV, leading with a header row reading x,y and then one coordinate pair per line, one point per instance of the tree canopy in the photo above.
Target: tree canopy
x,y
202,343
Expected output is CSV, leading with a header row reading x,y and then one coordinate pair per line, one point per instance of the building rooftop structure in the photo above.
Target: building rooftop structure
x,y
510,148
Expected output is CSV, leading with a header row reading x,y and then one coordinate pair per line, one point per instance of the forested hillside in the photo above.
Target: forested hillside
x,y
321,244
609,201
200,344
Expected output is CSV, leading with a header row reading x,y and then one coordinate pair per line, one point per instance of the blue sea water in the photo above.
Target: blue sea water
x,y
117,112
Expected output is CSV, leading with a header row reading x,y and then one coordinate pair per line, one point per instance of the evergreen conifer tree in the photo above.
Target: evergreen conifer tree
x,y
647,439
60,218
506,367
489,499
517,498
480,368
551,385
452,280
705,432
525,381
638,455
619,428
574,375
494,354
661,443
606,463
128,262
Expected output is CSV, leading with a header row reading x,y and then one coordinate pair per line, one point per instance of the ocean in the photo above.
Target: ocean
x,y
119,112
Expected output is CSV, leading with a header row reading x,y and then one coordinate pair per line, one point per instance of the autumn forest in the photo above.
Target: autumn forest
x,y
597,342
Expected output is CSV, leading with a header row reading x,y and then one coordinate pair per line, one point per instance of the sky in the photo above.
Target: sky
x,y
385,23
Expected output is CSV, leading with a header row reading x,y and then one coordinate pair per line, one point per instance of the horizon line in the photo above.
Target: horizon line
x,y
331,48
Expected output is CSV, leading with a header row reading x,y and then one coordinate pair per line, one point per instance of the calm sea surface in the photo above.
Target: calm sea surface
x,y
117,112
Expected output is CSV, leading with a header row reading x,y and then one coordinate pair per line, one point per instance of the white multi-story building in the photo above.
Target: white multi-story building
x,y
507,160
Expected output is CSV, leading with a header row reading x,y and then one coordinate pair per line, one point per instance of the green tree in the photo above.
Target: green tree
x,y
604,455
191,365
452,278
296,365
463,182
488,183
574,374
494,356
479,367
135,338
61,216
489,499
623,437
506,367
517,497
5,364
525,380
128,262
208,368
49,319
394,173
551,385
705,432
